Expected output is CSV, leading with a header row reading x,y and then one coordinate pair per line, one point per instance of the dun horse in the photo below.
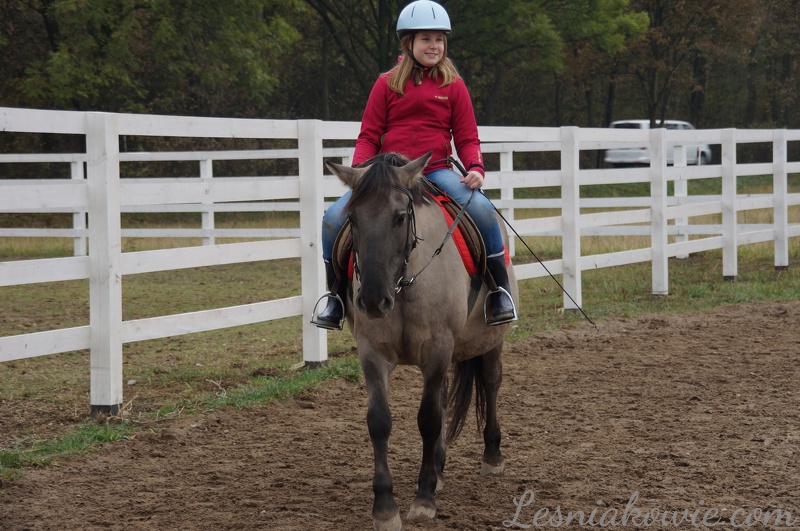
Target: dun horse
x,y
395,233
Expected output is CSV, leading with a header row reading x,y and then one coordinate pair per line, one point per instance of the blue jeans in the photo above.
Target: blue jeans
x,y
480,210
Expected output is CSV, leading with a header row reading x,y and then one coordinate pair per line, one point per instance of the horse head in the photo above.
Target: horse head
x,y
381,212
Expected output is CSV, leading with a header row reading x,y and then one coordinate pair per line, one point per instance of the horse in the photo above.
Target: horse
x,y
423,320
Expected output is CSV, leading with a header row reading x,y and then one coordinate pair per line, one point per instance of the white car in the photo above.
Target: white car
x,y
695,153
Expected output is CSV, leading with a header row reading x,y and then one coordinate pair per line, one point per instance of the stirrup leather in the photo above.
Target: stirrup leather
x,y
315,314
499,289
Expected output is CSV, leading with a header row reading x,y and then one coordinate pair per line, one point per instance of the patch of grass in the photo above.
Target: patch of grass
x,y
695,285
78,440
267,389
257,390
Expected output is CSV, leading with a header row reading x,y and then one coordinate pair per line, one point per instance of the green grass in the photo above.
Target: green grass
x,y
268,389
78,440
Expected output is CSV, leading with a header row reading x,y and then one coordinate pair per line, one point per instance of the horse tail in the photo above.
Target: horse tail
x,y
466,375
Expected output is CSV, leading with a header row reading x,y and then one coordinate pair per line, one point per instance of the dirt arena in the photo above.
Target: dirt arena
x,y
689,415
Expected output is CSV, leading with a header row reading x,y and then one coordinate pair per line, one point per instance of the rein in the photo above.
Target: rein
x,y
402,282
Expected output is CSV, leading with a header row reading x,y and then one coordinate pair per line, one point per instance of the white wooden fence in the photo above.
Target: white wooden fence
x,y
104,196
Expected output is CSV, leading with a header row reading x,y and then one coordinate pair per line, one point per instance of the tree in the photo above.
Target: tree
x,y
594,44
498,42
684,38
181,56
364,33
775,58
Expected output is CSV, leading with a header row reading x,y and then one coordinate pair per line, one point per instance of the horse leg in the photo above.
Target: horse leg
x,y
440,454
492,375
385,514
429,421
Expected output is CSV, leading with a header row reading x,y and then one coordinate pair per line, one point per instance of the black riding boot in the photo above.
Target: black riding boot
x,y
332,316
499,306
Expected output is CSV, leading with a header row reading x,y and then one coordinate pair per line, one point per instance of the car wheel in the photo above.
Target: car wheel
x,y
703,160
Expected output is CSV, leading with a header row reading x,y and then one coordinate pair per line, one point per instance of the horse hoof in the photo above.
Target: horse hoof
x,y
493,470
392,524
421,508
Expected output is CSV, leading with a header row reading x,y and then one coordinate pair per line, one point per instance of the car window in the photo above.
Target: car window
x,y
627,125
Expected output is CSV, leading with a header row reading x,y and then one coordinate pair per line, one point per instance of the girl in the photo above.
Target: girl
x,y
419,106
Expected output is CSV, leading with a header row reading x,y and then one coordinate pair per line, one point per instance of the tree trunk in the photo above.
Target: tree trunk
x,y
752,90
697,97
558,94
611,100
325,79
490,106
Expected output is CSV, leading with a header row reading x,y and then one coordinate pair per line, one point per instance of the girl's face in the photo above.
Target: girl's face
x,y
428,47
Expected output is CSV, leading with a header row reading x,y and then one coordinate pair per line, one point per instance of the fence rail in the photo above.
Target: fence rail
x,y
95,190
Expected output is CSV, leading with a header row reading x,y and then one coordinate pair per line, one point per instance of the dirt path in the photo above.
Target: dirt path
x,y
685,413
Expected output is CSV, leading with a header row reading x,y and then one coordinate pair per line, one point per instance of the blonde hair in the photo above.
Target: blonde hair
x,y
400,74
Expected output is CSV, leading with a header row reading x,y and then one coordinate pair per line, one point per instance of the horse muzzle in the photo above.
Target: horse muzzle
x,y
374,307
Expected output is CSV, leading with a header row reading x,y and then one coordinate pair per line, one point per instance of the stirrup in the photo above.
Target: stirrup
x,y
511,319
326,324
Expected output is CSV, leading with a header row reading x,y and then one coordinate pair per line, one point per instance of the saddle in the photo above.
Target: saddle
x,y
466,237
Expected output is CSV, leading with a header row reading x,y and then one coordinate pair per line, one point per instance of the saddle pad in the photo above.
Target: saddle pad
x,y
459,240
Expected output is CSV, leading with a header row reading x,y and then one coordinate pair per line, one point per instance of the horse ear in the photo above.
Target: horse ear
x,y
346,174
413,170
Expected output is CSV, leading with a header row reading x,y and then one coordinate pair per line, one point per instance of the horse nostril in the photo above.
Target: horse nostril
x,y
387,305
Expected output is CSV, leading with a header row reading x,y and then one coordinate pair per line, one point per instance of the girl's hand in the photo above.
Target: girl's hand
x,y
473,179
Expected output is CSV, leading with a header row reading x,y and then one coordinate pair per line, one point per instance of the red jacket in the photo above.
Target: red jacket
x,y
425,119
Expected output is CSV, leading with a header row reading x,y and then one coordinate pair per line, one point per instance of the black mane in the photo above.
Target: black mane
x,y
380,179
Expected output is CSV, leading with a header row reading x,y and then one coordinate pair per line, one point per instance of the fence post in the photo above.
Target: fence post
x,y
105,255
571,217
730,253
312,204
681,191
207,215
78,218
780,193
658,223
507,196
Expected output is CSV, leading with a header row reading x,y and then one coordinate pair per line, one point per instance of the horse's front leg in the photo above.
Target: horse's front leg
x,y
440,454
492,369
430,420
385,514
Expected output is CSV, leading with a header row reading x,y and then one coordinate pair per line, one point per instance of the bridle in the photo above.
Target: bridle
x,y
412,239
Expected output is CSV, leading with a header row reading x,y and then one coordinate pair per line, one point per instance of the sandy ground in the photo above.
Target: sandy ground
x,y
687,415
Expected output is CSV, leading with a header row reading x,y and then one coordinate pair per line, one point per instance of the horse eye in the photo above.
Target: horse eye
x,y
400,220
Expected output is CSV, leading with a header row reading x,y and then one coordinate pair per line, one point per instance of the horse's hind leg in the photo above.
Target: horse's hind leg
x,y
429,420
491,377
385,514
